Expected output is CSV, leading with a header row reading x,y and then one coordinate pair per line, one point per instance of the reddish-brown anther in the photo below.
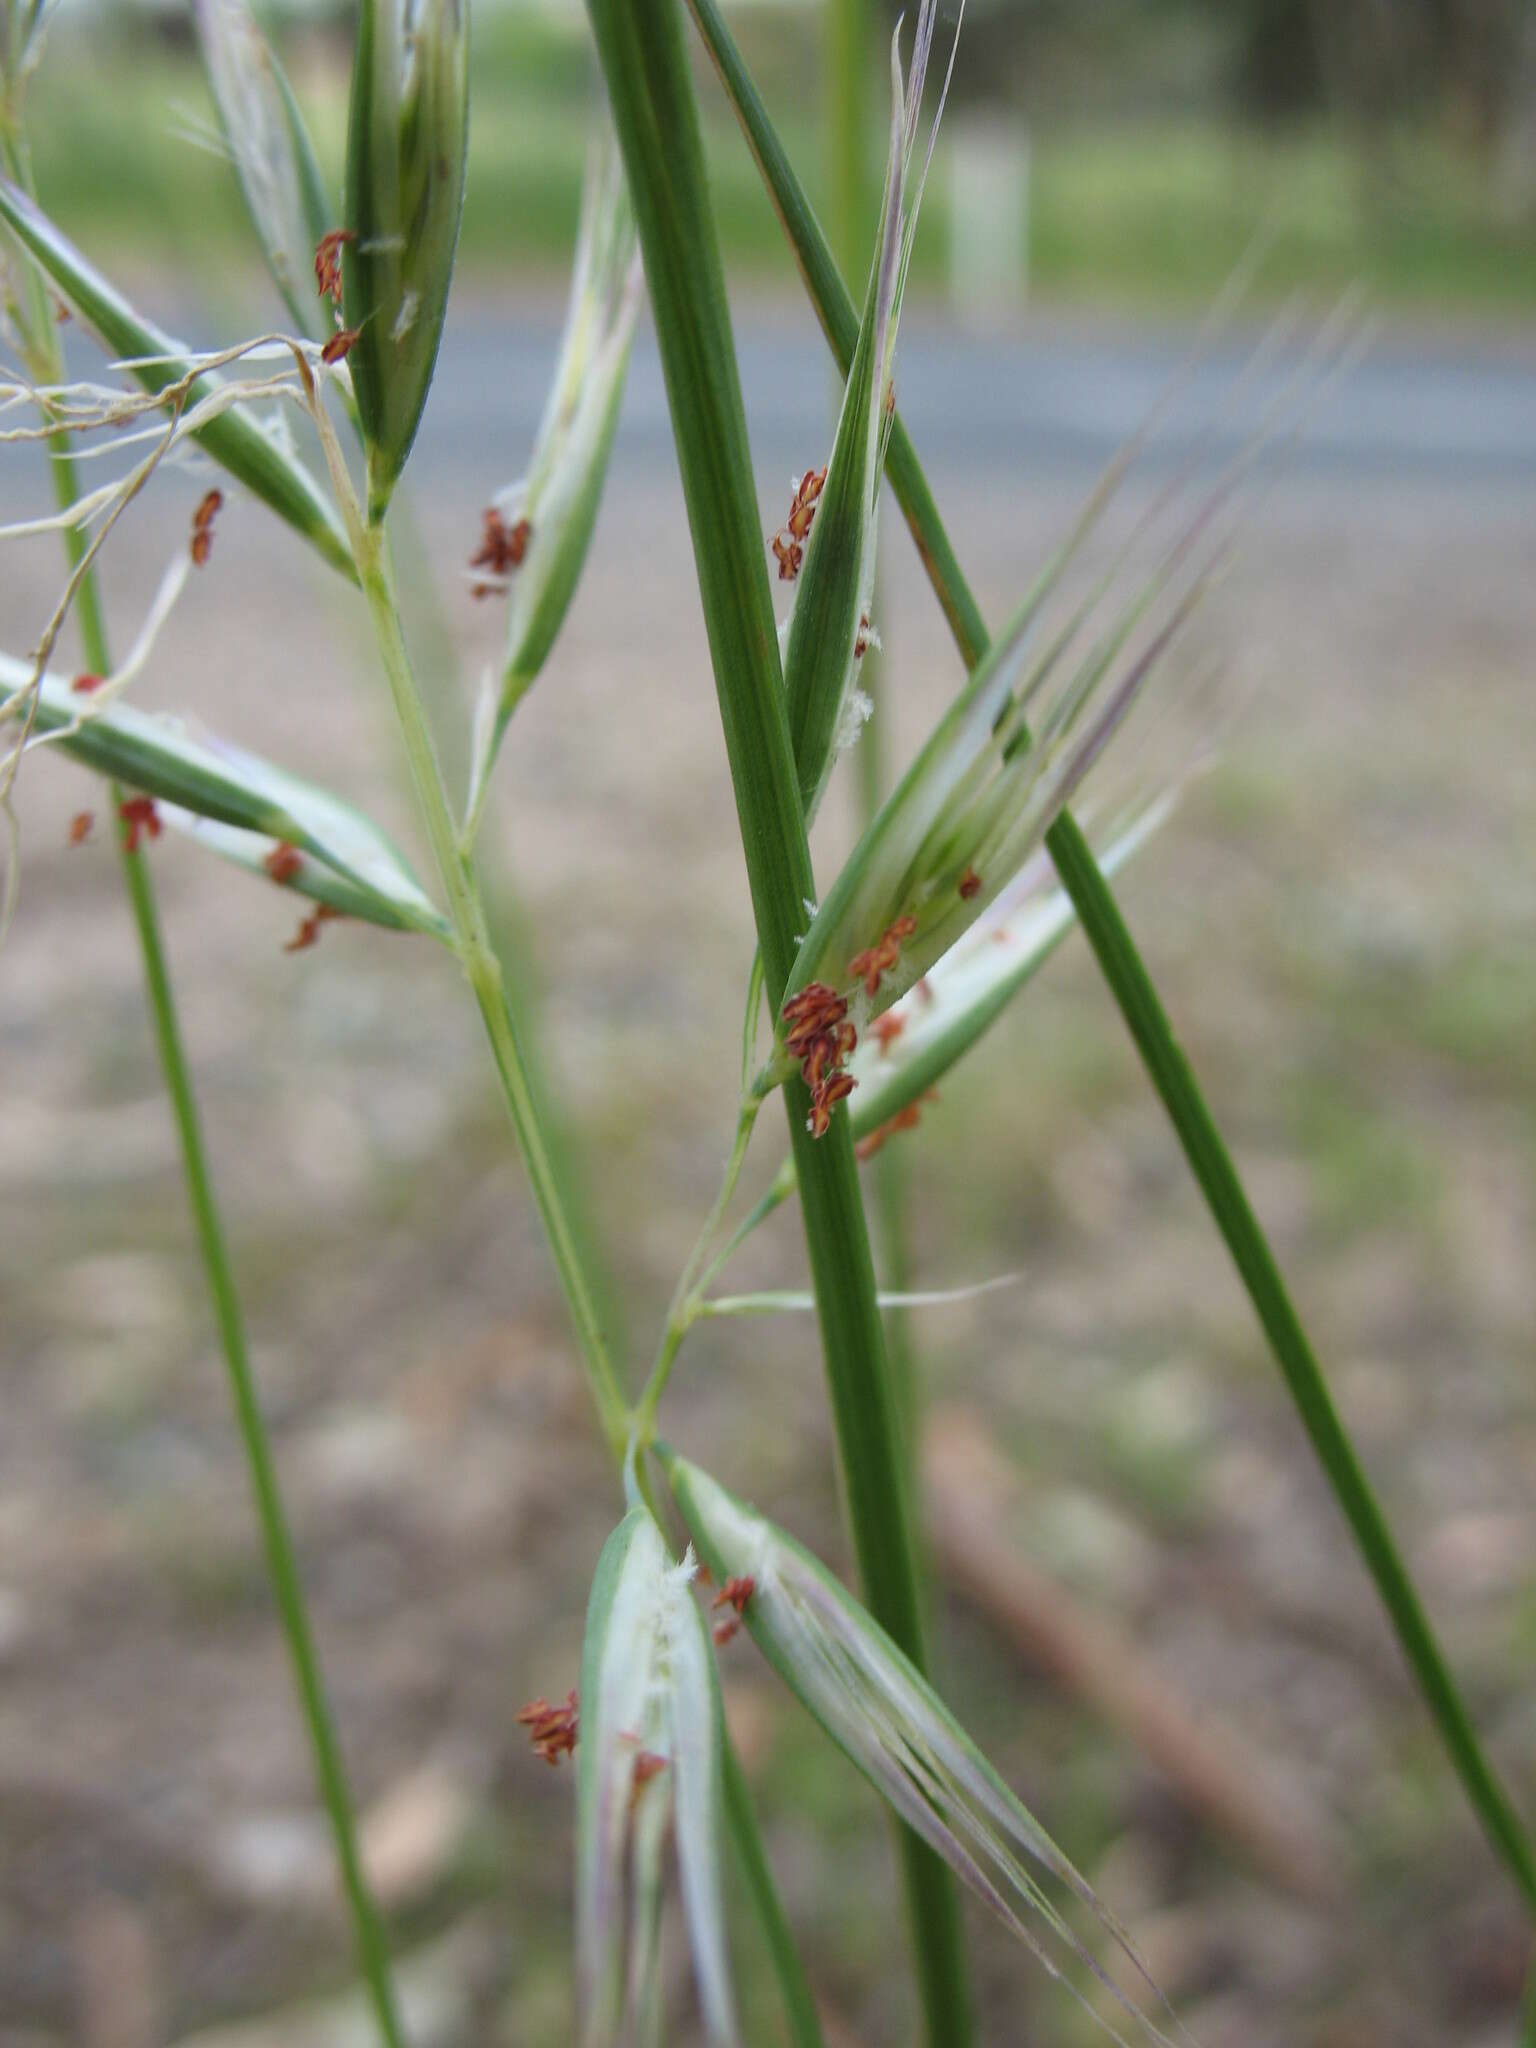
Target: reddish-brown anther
x,y
802,508
284,861
970,885
812,1001
551,1730
502,548
801,1037
815,1010
139,816
819,1057
835,1088
787,547
202,525
870,964
904,1120
887,1029
881,958
308,933
340,344
734,1594
328,262
84,686
825,1099
80,827
788,554
861,638
647,1765
820,1035
861,966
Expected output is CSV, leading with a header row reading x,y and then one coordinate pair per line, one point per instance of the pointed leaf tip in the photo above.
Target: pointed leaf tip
x,y
830,543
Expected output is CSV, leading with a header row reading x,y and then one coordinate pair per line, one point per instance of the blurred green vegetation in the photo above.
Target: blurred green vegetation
x,y
1147,205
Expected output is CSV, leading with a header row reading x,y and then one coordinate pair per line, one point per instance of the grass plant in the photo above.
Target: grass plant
x,y
965,876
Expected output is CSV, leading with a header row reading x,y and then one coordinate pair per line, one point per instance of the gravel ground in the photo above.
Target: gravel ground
x,y
1341,920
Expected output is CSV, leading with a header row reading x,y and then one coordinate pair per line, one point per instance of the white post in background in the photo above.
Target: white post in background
x,y
988,218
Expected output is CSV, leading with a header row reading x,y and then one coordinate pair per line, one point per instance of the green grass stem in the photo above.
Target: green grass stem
x,y
483,970
640,43
277,1541
799,2006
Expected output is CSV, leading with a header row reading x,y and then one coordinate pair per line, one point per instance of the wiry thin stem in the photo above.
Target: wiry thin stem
x,y
1148,1022
483,971
683,1311
799,2006
277,1541
282,1565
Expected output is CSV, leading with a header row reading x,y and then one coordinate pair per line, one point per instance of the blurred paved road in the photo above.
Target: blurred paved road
x,y
1061,393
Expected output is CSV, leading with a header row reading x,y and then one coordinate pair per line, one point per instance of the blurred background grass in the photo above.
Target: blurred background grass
x,y
1159,135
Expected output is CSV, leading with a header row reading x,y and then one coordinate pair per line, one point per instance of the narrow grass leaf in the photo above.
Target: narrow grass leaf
x,y
830,542
231,434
